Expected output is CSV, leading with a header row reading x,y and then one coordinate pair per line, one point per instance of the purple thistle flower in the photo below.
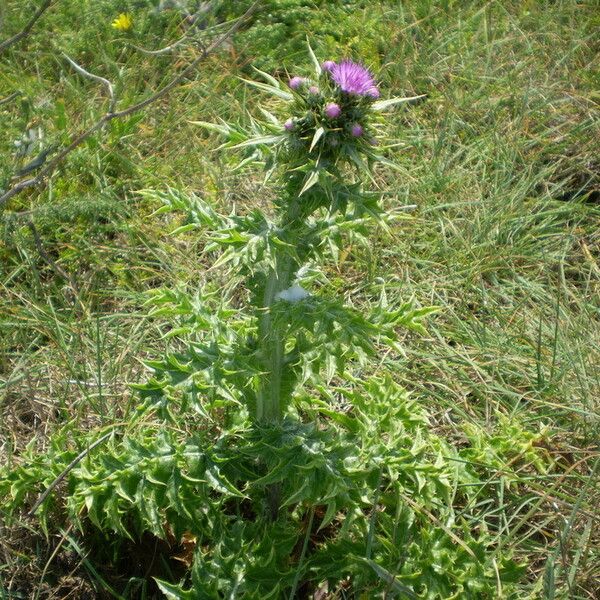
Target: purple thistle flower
x,y
357,130
289,125
353,78
313,89
333,110
296,82
328,65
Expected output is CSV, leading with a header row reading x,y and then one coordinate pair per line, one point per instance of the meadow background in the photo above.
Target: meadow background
x,y
499,171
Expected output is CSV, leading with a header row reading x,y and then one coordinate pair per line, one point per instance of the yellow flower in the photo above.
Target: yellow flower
x,y
123,22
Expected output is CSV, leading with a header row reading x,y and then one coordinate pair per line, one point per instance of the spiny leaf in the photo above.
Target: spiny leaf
x,y
264,140
318,134
312,179
272,81
271,89
314,59
390,579
222,129
174,592
383,104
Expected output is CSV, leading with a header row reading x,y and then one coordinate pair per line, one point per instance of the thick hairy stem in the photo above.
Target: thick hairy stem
x,y
271,339
271,336
269,402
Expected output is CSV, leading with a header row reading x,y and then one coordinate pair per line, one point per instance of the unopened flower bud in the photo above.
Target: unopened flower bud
x,y
313,89
328,65
289,125
296,82
357,130
333,110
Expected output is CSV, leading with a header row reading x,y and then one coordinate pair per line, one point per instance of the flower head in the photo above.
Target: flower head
x,y
313,89
328,65
357,130
333,110
354,78
296,82
124,22
289,125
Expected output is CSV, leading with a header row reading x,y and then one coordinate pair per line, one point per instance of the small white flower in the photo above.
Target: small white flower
x,y
293,294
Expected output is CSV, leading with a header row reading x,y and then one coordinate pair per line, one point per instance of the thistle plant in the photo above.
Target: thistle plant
x,y
320,155
238,445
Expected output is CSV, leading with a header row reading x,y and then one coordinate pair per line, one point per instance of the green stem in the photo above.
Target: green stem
x,y
271,337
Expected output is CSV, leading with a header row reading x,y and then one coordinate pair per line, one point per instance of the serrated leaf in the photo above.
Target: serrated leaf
x,y
222,129
318,135
184,229
383,104
271,89
270,116
314,59
329,515
123,491
298,495
390,579
349,423
255,158
221,483
385,161
359,162
272,81
313,177
264,140
174,592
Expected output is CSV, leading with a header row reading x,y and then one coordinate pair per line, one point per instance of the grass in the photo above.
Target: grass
x,y
500,162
